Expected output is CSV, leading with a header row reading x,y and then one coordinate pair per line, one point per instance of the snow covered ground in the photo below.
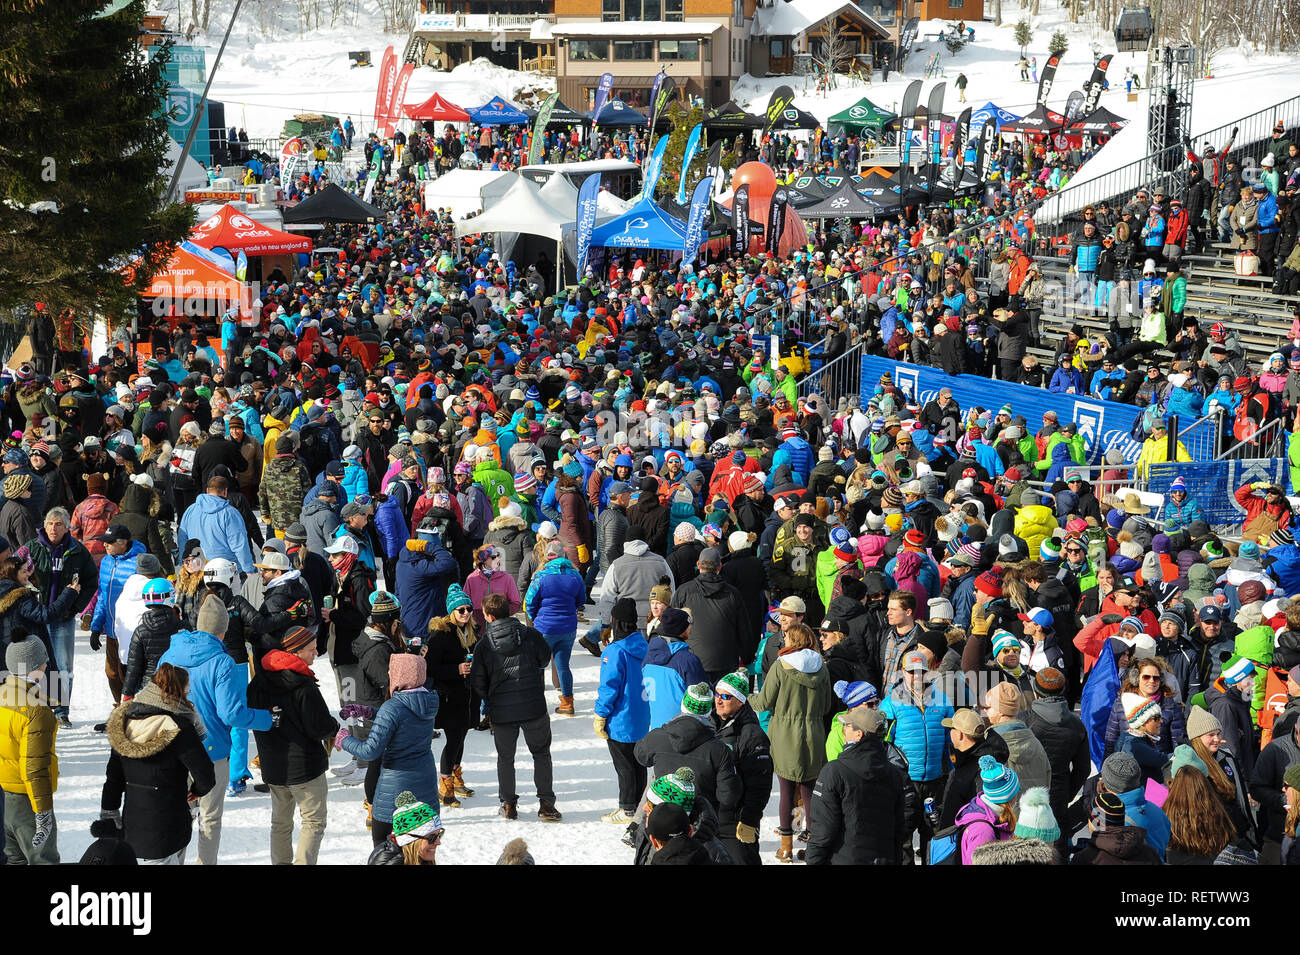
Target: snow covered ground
x,y
585,787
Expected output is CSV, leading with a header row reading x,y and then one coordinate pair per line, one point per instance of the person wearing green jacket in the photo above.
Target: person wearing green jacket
x,y
1293,459
835,562
1069,433
785,385
797,690
495,481
1173,299
1256,645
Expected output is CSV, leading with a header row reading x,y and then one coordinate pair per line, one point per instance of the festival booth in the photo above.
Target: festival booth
x,y
333,204
436,109
1097,127
990,112
730,118
562,195
618,115
466,191
561,116
846,202
1041,122
195,282
807,190
267,249
525,224
862,116
497,112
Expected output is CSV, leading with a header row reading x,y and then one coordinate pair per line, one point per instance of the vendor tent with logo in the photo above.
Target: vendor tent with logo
x,y
863,115
437,109
644,226
990,112
845,202
235,231
497,112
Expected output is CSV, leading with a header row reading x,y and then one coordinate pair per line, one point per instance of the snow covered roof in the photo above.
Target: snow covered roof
x,y
643,28
798,16
540,30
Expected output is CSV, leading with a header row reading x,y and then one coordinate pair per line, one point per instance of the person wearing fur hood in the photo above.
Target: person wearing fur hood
x,y
157,764
511,536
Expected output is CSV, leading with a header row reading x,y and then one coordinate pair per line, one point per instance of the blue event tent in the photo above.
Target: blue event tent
x,y
497,112
644,226
990,111
618,114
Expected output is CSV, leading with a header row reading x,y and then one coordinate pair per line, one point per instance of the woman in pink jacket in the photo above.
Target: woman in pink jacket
x,y
991,815
489,577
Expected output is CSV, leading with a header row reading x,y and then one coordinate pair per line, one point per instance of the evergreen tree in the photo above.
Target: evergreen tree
x,y
1024,34
1058,43
83,135
683,122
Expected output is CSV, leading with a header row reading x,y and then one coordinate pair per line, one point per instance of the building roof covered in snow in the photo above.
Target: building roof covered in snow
x,y
799,16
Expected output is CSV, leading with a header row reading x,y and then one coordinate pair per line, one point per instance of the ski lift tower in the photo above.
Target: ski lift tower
x,y
1169,114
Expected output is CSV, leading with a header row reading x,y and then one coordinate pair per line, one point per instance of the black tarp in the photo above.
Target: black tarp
x,y
846,202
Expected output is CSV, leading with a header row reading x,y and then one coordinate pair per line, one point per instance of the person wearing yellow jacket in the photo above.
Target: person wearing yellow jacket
x,y
29,770
1155,450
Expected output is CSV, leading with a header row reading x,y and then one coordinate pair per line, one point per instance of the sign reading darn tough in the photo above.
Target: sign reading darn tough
x,y
1102,424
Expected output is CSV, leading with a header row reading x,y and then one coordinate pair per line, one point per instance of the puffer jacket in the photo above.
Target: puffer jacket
x,y
555,596
919,732
857,810
751,750
90,519
113,575
686,741
140,509
611,532
507,671
1173,726
286,604
669,668
513,538
1065,741
151,639
158,763
28,764
373,650
321,522
402,736
620,696
391,525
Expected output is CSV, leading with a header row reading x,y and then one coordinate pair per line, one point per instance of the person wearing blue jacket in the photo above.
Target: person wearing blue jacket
x,y
622,711
1282,560
1122,776
117,565
1066,379
670,667
218,690
1181,509
401,737
218,527
390,522
1183,399
555,595
425,570
1087,250
1153,238
915,715
355,483
987,457
798,453
1106,380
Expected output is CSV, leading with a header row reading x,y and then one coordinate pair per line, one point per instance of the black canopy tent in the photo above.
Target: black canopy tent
x,y
333,204
731,118
1042,121
896,124
806,191
1100,121
561,115
845,202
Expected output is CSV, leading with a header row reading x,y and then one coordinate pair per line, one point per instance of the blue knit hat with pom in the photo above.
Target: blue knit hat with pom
x,y
1001,784
457,598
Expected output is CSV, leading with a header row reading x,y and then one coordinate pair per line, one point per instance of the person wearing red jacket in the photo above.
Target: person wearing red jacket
x,y
1176,224
1266,508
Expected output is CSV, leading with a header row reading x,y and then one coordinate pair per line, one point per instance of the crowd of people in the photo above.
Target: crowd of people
x,y
443,476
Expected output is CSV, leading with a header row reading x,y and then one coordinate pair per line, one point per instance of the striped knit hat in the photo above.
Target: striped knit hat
x,y
698,700
677,788
1049,550
1237,669
857,693
525,482
1002,640
1139,709
413,819
1000,783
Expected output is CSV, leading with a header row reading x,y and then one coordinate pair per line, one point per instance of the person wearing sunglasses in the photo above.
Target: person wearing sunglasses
x,y
417,833
737,725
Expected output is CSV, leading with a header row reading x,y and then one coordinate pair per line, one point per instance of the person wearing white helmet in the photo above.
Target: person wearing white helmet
x,y
153,634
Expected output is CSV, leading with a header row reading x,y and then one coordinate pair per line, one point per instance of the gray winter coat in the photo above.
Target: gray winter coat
x,y
321,522
633,575
1028,758
611,531
514,539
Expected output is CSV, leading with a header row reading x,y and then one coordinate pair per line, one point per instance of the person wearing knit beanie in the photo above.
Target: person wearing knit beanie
x,y
1120,773
1000,783
212,617
676,787
456,597
989,584
25,655
406,671
16,487
735,685
1201,721
414,820
1035,819
1185,755
1139,711
697,701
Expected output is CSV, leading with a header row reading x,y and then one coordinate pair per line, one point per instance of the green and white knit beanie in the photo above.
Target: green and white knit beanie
x,y
678,787
735,684
413,819
698,700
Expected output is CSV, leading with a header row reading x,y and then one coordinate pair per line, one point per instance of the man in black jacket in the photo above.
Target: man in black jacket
x,y
507,672
857,808
217,450
736,724
690,740
1267,789
1064,740
286,604
719,618
970,741
293,759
